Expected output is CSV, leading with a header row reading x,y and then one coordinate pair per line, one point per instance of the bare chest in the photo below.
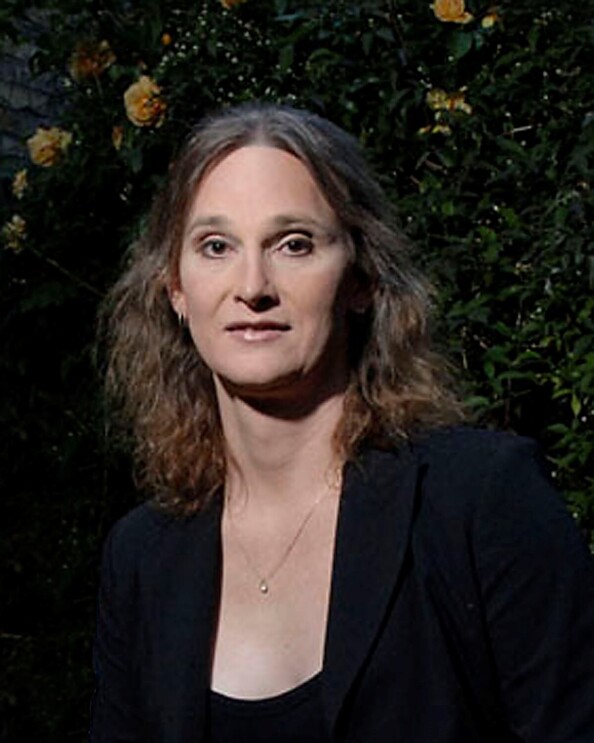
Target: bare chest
x,y
273,615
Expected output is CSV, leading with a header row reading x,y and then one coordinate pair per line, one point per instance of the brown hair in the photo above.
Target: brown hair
x,y
165,391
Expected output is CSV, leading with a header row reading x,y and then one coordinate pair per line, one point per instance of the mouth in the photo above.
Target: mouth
x,y
257,331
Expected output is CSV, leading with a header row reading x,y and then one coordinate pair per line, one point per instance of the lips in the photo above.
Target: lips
x,y
261,325
257,331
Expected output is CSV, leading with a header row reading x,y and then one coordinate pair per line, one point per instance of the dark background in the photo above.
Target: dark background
x,y
496,195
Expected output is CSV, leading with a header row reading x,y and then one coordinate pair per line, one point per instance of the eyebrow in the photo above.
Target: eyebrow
x,y
207,221
281,221
288,220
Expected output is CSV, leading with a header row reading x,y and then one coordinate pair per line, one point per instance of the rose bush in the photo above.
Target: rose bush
x,y
48,146
19,183
453,11
144,103
479,122
90,59
14,233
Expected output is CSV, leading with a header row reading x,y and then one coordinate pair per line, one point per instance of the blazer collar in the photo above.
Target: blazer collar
x,y
373,530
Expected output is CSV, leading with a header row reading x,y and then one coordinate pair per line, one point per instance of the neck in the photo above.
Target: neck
x,y
274,458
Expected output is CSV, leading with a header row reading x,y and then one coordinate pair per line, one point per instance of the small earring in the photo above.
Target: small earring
x,y
181,319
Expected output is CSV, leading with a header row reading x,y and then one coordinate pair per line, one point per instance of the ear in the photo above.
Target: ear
x,y
177,299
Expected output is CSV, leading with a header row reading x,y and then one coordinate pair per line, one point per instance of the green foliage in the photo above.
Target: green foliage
x,y
493,185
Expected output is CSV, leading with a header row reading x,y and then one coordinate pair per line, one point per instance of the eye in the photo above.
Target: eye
x,y
214,247
297,245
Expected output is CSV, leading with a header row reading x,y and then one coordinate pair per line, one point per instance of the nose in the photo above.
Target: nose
x,y
255,285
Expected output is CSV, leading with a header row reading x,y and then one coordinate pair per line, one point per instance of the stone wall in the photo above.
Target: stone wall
x,y
26,102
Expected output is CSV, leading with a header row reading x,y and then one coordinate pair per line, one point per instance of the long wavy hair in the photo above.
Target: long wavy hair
x,y
164,392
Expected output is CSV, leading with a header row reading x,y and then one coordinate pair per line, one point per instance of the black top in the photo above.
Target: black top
x,y
461,609
295,716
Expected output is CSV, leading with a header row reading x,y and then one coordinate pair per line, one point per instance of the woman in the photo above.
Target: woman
x,y
326,556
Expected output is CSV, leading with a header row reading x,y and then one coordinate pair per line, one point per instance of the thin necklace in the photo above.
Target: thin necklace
x,y
265,580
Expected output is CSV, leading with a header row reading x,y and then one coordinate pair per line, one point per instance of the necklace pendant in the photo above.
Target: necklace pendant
x,y
263,587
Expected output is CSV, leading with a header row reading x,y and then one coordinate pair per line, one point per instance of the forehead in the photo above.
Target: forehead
x,y
260,178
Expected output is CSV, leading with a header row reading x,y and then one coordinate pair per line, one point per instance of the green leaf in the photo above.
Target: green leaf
x,y
135,159
460,43
576,405
286,57
386,34
448,208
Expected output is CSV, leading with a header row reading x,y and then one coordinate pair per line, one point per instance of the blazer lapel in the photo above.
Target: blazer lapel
x,y
374,521
183,612
372,537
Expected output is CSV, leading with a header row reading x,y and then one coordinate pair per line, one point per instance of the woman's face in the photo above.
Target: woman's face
x,y
265,279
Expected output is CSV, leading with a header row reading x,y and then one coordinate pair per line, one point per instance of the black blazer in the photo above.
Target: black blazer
x,y
462,607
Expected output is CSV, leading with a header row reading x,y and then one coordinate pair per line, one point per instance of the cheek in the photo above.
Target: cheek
x,y
327,308
200,313
199,293
200,331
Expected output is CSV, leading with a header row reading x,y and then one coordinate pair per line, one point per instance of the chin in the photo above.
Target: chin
x,y
291,395
259,384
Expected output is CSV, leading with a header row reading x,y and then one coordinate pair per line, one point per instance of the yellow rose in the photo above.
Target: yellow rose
x,y
166,39
90,59
19,183
489,20
452,11
436,129
439,100
47,146
456,102
144,104
14,233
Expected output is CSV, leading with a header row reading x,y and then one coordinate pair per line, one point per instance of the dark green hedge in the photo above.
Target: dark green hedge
x,y
491,177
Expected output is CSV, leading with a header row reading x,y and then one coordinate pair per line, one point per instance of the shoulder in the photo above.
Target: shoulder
x,y
472,445
486,499
471,456
147,533
467,473
131,538
494,491
137,530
